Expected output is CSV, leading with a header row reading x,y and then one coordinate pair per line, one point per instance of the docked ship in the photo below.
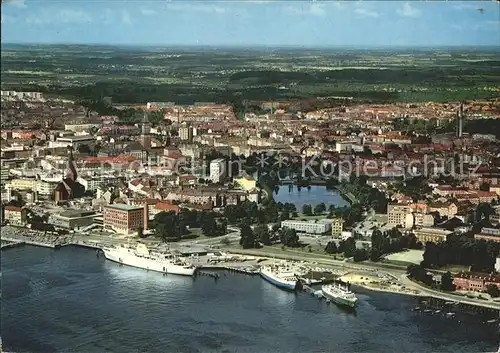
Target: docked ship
x,y
339,294
142,257
280,275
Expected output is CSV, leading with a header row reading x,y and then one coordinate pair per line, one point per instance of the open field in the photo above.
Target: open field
x,y
408,257
187,75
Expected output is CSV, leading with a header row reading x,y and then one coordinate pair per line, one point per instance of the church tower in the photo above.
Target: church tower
x,y
146,133
70,168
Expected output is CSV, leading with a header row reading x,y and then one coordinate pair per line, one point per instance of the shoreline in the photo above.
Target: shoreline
x,y
356,276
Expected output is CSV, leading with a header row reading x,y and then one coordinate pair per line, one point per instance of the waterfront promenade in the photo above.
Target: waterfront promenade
x,y
401,284
17,235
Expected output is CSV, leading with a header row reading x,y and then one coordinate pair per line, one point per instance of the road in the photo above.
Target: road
x,y
230,238
303,256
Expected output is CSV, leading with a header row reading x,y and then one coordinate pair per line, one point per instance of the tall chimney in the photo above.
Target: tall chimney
x,y
460,120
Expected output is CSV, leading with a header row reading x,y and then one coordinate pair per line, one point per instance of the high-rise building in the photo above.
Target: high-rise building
x,y
186,133
337,227
217,170
146,132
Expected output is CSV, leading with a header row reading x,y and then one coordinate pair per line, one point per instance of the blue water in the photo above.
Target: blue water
x,y
69,300
314,196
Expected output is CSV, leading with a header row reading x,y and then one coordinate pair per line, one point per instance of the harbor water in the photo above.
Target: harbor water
x,y
70,300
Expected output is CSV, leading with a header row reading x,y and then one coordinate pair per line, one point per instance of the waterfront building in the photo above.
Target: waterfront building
x,y
73,219
125,219
15,215
475,282
337,226
217,170
312,227
431,234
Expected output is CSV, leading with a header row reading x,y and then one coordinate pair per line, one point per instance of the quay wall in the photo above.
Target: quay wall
x,y
32,242
13,244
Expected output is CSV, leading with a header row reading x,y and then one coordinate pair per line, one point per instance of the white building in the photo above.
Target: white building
x,y
311,227
217,170
93,183
345,235
46,186
79,127
73,141
497,264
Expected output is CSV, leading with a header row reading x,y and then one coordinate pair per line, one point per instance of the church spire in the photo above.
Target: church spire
x,y
70,169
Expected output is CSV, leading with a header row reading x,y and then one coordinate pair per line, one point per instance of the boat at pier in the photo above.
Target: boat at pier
x,y
339,294
280,275
142,257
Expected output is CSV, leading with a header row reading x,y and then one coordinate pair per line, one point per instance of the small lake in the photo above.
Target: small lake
x,y
312,196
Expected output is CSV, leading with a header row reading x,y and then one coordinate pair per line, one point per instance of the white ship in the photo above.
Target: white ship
x,y
142,257
339,294
280,275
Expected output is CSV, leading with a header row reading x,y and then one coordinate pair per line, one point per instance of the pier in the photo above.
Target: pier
x,y
314,292
452,306
244,270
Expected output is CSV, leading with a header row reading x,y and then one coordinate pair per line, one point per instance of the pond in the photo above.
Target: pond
x,y
309,196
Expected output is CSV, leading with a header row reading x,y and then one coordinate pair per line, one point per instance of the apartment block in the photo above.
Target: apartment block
x,y
400,215
217,170
337,227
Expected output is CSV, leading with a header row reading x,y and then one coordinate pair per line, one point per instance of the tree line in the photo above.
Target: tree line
x,y
171,226
263,235
269,212
391,241
479,255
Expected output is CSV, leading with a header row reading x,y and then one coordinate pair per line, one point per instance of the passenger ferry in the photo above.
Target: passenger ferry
x,y
339,294
142,257
280,275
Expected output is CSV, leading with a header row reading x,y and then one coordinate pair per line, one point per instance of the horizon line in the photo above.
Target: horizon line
x,y
259,46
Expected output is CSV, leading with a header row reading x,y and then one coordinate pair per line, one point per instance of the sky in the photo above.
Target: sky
x,y
252,23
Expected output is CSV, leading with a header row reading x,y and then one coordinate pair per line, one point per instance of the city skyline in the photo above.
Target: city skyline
x,y
252,23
